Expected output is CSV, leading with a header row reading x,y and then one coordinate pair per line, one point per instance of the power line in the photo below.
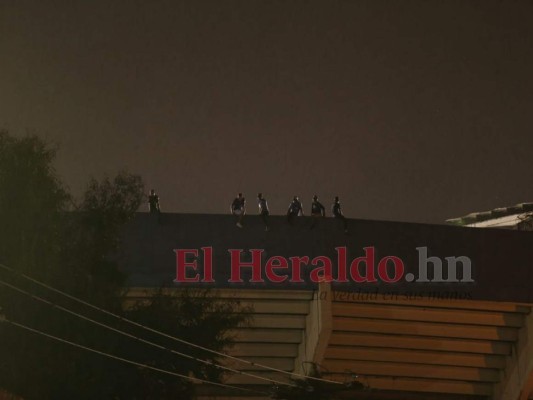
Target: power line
x,y
141,339
125,360
164,334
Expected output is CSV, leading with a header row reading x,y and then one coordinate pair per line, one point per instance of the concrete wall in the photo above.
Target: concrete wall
x,y
502,260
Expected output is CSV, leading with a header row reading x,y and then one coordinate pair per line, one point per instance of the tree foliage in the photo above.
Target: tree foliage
x,y
44,233
31,201
196,316
92,235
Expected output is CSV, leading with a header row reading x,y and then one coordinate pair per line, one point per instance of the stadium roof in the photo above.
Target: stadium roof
x,y
503,217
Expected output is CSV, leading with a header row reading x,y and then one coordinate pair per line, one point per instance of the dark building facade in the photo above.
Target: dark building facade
x,y
415,310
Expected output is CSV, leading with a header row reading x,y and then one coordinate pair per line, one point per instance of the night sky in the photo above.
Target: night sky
x,y
408,110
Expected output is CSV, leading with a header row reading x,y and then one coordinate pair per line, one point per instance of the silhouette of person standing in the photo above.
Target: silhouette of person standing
x,y
153,202
238,208
263,209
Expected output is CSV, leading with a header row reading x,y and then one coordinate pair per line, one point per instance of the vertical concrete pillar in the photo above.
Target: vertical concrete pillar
x,y
317,330
517,378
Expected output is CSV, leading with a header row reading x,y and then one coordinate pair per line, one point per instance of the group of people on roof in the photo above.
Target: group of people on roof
x,y
238,209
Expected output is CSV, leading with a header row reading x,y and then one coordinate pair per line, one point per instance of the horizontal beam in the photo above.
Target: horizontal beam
x,y
264,350
236,379
425,329
229,293
392,370
261,306
415,356
420,342
283,363
439,303
278,321
268,335
404,384
424,314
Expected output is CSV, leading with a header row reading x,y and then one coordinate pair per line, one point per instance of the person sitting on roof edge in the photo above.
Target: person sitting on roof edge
x,y
295,209
337,213
317,211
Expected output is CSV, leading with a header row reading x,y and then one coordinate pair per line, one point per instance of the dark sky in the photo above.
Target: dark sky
x,y
408,110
